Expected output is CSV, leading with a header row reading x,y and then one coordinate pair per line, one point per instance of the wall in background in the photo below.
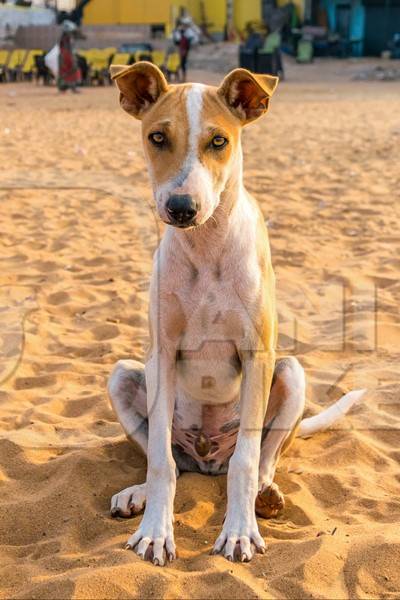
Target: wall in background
x,y
125,12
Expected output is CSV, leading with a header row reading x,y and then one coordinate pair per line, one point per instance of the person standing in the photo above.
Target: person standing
x,y
69,75
183,37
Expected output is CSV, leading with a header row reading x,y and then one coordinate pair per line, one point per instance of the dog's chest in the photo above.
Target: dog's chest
x,y
216,320
216,308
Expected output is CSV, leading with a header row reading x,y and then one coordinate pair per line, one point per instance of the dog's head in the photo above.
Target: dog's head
x,y
191,134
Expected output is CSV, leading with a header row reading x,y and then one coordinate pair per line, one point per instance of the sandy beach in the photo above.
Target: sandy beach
x,y
78,233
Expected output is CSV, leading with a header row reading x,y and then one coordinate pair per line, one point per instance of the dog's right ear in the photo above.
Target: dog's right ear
x,y
140,86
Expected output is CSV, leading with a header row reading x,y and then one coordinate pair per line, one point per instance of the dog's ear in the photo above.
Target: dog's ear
x,y
246,94
140,86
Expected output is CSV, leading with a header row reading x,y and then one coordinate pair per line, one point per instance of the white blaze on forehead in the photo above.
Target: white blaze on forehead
x,y
193,177
194,106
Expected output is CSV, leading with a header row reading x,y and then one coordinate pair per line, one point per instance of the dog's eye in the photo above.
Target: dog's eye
x,y
219,141
157,138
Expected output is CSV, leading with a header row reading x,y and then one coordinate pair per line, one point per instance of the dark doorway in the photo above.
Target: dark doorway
x,y
382,21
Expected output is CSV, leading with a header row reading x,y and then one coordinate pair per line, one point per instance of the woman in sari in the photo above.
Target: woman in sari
x,y
69,75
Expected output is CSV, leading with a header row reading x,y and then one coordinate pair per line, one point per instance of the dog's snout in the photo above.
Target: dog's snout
x,y
181,209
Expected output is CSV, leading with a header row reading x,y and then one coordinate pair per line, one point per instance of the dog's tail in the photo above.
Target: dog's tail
x,y
331,415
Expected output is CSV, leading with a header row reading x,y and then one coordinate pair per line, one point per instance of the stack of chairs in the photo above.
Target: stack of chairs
x,y
172,66
29,68
158,58
4,54
142,55
124,58
121,58
98,61
18,64
14,64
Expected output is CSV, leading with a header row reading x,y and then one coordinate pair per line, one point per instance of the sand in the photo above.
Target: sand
x,y
77,237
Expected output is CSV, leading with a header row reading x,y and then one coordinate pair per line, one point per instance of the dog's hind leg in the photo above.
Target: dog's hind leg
x,y
284,412
127,391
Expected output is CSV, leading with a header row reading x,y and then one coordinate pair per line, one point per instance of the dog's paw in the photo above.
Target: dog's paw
x,y
270,501
238,540
128,502
154,539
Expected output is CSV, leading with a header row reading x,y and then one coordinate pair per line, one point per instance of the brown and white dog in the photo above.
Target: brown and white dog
x,y
211,397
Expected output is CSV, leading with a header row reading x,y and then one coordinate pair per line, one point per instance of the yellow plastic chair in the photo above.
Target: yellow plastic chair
x,y
173,64
121,58
105,55
93,54
158,58
29,65
4,55
99,60
146,54
110,50
90,54
106,52
15,62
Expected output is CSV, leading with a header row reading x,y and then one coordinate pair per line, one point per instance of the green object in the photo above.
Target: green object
x,y
272,43
305,51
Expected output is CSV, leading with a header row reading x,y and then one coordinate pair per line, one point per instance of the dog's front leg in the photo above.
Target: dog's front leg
x,y
155,532
240,528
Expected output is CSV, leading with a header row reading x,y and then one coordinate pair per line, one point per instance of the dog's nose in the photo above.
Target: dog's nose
x,y
181,209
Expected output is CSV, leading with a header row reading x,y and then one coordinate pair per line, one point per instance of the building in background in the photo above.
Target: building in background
x,y
212,13
366,24
354,27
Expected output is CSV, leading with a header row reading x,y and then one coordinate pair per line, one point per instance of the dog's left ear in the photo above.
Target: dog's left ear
x,y
140,86
247,94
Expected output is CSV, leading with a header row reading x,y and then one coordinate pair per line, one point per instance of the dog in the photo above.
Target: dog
x,y
212,398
